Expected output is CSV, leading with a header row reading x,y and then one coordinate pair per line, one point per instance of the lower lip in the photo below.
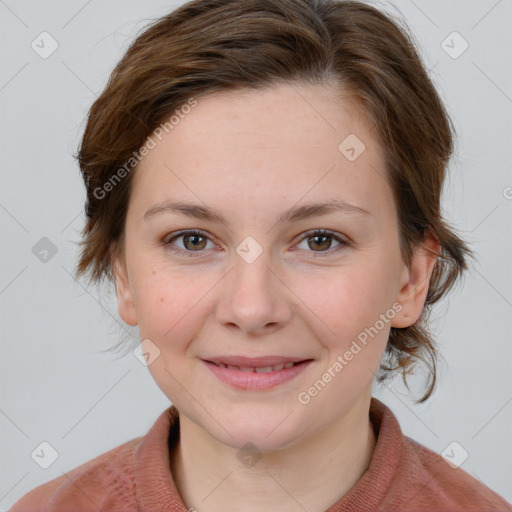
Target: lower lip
x,y
254,380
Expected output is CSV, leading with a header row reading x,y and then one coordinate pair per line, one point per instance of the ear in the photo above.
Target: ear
x,y
416,280
125,302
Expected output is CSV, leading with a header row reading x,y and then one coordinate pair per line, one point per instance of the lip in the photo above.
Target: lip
x,y
255,381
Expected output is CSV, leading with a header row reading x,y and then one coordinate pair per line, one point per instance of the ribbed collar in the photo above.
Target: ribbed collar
x,y
156,489
369,491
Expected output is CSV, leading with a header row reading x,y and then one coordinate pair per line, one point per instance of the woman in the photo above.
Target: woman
x,y
264,182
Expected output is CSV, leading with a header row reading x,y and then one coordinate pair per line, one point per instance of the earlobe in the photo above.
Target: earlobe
x,y
416,281
125,302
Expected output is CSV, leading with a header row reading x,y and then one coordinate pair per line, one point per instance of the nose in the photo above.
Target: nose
x,y
254,298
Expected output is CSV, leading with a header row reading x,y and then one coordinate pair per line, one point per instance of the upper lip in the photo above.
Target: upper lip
x,y
254,362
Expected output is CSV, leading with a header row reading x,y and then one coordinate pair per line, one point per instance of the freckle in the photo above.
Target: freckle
x,y
161,299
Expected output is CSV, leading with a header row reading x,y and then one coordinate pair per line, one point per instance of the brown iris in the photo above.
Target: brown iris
x,y
194,239
325,244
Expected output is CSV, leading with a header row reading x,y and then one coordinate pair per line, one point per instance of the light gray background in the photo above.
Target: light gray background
x,y
57,387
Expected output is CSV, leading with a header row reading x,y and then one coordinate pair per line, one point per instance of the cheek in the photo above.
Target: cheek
x,y
349,299
171,314
168,304
352,319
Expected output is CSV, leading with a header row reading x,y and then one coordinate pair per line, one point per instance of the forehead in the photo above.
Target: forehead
x,y
288,141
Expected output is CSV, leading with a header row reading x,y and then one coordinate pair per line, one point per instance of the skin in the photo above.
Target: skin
x,y
250,155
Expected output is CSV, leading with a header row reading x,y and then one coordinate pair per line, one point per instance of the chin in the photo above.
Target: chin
x,y
268,430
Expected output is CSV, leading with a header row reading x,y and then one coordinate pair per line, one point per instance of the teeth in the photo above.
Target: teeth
x,y
263,369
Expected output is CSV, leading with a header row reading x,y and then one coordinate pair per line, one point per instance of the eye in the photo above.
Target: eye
x,y
320,241
193,241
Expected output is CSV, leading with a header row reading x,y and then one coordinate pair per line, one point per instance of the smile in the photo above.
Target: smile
x,y
260,369
257,378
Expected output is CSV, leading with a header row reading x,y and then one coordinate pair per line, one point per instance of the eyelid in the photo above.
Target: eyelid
x,y
321,231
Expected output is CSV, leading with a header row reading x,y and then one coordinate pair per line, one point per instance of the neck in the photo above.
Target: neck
x,y
312,474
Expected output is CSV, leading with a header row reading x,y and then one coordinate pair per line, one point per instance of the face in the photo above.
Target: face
x,y
250,269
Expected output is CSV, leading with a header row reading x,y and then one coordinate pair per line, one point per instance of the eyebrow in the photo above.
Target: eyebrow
x,y
293,214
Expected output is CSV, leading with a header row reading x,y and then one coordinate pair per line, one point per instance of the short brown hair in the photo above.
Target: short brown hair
x,y
206,46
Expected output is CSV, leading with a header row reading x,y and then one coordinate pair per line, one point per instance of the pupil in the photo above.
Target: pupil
x,y
194,239
319,237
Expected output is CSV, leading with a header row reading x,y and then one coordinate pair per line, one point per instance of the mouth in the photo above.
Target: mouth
x,y
256,369
256,373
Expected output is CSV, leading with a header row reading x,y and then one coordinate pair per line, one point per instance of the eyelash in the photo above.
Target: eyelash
x,y
309,234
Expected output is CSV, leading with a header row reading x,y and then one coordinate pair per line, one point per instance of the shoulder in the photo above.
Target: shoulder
x,y
104,481
434,484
